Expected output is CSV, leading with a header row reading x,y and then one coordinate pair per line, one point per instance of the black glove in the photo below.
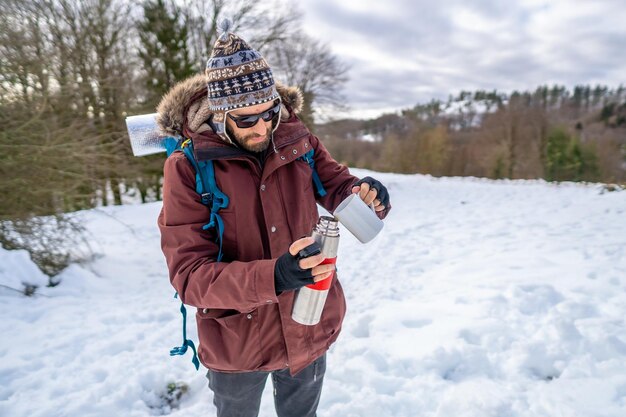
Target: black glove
x,y
382,194
288,275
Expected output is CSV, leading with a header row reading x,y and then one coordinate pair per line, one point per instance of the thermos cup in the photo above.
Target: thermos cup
x,y
310,299
359,218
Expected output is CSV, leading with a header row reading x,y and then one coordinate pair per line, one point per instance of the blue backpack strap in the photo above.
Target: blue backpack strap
x,y
218,201
182,349
319,187
171,144
212,197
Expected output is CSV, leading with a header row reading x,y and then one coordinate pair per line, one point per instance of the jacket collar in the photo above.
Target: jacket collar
x,y
208,145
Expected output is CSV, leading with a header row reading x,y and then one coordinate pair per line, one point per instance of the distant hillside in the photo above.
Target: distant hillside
x,y
551,133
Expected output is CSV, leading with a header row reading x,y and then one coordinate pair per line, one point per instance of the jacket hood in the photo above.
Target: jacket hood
x,y
175,104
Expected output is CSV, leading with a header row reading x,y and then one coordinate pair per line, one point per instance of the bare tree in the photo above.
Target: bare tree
x,y
311,65
61,95
23,47
263,23
95,67
91,42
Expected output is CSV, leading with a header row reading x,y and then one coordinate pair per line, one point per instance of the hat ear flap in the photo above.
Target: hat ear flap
x,y
211,124
276,121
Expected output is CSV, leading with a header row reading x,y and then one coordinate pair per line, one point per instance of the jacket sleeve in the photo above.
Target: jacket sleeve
x,y
336,178
191,253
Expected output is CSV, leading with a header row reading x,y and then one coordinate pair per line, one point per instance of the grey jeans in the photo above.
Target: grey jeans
x,y
239,394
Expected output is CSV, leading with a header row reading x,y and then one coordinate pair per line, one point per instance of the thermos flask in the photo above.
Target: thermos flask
x,y
310,299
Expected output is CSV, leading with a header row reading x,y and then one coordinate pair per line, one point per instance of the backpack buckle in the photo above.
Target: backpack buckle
x,y
206,198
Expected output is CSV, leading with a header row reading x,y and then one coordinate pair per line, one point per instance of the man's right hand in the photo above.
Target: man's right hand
x,y
292,272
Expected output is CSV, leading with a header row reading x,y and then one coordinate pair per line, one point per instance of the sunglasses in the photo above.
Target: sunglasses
x,y
245,122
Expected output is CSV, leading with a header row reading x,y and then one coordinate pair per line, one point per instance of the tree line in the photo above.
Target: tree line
x,y
554,133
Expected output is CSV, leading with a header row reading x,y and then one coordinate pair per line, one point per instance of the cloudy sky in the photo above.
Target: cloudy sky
x,y
402,52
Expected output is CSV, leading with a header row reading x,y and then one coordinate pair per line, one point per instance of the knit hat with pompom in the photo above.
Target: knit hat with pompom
x,y
237,76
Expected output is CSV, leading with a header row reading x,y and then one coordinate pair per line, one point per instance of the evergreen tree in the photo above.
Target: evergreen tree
x,y
164,49
567,159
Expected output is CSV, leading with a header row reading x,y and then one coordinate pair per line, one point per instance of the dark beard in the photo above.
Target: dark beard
x,y
242,141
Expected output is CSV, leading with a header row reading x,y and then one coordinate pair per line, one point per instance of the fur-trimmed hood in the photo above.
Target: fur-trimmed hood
x,y
173,110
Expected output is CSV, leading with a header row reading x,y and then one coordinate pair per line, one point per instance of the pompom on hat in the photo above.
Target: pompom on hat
x,y
237,76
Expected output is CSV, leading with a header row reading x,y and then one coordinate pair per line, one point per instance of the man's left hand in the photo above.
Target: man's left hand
x,y
372,191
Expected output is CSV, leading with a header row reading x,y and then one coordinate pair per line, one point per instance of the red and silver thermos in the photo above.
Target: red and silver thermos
x,y
310,300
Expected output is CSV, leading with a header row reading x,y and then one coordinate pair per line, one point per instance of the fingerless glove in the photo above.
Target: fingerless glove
x,y
288,275
382,194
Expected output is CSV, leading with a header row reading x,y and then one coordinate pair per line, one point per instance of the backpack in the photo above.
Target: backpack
x,y
215,200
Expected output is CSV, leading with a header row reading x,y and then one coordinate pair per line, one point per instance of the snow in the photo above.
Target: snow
x,y
479,298
371,137
17,271
472,111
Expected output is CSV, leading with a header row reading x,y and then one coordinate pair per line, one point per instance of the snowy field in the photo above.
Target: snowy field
x,y
479,298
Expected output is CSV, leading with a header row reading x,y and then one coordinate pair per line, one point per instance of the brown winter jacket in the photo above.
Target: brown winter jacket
x,y
242,324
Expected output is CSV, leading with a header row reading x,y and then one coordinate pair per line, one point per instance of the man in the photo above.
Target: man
x,y
238,117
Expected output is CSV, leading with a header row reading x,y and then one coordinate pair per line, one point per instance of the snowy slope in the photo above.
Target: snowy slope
x,y
479,298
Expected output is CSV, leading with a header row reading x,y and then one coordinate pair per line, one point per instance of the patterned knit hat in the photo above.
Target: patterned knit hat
x,y
237,76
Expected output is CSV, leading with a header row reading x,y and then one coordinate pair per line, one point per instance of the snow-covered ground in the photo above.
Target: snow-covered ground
x,y
479,298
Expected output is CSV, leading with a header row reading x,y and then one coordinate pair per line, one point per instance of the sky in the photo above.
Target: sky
x,y
404,52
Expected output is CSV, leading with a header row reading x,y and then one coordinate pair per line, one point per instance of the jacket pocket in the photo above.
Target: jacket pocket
x,y
229,340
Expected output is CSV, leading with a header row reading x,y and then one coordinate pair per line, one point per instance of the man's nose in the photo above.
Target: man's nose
x,y
259,127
